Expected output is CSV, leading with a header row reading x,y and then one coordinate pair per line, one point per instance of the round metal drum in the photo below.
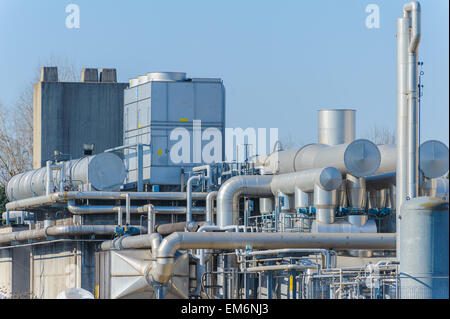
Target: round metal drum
x,y
106,172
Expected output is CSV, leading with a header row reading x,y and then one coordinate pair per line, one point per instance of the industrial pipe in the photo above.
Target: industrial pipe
x,y
65,230
210,206
189,197
360,158
62,197
177,241
230,192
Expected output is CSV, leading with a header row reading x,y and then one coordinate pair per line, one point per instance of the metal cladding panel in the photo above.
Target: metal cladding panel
x,y
154,109
424,242
181,102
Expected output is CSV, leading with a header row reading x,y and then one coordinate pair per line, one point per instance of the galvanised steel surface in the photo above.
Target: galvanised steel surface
x,y
104,172
156,105
336,126
424,248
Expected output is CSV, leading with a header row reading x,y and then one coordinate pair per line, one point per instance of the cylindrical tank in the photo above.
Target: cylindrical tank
x,y
266,205
360,158
105,172
336,126
433,159
424,248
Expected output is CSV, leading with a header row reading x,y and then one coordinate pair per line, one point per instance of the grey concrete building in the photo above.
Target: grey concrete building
x,y
67,115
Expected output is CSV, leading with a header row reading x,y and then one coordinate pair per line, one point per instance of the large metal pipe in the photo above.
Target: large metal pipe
x,y
102,172
191,180
105,209
55,231
336,126
360,158
177,241
328,178
62,197
230,192
411,11
210,198
402,111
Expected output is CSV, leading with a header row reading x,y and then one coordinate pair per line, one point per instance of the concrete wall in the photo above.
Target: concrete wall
x,y
67,115
59,266
15,273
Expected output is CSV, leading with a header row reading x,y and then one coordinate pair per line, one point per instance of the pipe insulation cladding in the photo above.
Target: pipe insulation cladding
x,y
104,172
359,158
336,126
433,159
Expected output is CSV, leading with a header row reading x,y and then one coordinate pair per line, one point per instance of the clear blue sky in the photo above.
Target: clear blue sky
x,y
280,60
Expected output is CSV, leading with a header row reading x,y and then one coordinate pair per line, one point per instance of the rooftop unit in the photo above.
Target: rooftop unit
x,y
155,105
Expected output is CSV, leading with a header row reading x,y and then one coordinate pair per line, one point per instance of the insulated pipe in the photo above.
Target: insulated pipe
x,y
132,242
230,192
411,10
102,209
62,197
328,178
49,179
360,158
210,206
189,197
55,231
128,210
150,219
178,241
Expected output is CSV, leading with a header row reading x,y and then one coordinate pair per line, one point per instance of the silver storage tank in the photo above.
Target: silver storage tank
x,y
336,126
104,172
424,248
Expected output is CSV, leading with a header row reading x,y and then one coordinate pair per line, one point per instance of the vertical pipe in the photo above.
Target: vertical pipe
x,y
140,167
49,178
62,176
128,210
189,198
210,206
119,216
150,219
413,145
402,117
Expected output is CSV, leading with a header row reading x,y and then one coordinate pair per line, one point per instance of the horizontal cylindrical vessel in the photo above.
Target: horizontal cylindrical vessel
x,y
328,178
360,158
104,172
336,126
433,159
424,250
